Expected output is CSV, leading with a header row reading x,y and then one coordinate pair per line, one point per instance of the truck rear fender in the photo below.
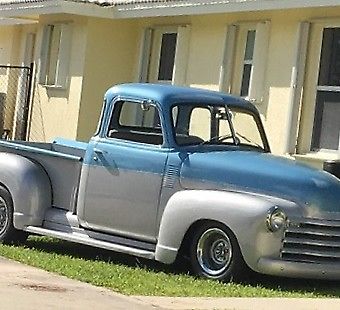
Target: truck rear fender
x,y
242,213
29,186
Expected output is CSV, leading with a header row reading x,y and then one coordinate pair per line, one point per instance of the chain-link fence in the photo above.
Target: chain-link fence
x,y
15,92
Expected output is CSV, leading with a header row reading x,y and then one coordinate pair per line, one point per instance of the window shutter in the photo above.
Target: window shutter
x,y
226,69
144,58
182,53
44,53
257,79
296,87
64,56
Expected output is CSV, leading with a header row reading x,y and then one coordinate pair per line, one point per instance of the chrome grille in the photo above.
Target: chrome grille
x,y
312,241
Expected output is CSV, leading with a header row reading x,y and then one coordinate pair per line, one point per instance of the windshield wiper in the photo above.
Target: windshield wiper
x,y
248,140
219,139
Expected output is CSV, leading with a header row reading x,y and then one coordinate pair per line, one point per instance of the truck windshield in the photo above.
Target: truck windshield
x,y
216,125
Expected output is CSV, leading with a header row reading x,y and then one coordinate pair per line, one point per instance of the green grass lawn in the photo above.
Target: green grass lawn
x,y
132,276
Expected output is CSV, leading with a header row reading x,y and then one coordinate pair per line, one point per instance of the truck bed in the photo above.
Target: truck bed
x,y
62,161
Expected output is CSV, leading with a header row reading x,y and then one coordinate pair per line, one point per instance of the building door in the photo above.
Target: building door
x,y
326,127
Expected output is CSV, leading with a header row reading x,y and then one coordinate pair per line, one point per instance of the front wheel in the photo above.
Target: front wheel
x,y
215,253
8,234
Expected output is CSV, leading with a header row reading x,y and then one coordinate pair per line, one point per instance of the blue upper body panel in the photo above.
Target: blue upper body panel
x,y
265,174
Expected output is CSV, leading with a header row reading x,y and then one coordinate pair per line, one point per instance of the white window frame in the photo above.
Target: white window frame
x,y
155,55
233,61
150,54
61,67
311,88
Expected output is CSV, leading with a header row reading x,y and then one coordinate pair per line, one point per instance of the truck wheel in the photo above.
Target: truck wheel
x,y
8,234
215,254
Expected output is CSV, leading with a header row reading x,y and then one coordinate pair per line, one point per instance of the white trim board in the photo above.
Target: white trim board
x,y
56,7
9,21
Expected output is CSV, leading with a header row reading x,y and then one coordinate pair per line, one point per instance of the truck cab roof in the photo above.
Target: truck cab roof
x,y
167,95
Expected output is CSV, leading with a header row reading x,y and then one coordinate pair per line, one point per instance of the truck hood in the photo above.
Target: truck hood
x,y
264,174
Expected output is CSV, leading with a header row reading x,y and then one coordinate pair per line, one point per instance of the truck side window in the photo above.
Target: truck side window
x,y
135,121
200,123
191,124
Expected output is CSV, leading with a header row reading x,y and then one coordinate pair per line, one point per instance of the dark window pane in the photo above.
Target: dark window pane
x,y
330,58
248,55
246,80
326,122
167,57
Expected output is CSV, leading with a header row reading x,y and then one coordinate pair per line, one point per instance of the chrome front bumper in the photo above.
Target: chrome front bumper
x,y
277,267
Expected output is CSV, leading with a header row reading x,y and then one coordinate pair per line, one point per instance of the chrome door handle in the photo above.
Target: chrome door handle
x,y
98,151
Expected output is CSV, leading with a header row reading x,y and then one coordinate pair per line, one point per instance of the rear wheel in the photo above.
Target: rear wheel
x,y
8,234
215,254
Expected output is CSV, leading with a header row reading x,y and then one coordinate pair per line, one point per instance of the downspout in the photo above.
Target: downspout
x,y
296,89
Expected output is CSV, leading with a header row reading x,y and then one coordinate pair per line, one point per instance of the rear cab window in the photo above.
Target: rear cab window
x,y
137,122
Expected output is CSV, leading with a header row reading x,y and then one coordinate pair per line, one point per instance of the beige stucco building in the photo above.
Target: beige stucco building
x,y
283,55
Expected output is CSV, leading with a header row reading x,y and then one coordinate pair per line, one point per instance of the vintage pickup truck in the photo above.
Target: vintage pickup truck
x,y
176,172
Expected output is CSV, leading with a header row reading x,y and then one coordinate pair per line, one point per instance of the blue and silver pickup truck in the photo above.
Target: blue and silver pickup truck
x,y
176,172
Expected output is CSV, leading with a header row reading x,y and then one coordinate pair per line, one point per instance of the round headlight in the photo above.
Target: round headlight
x,y
276,219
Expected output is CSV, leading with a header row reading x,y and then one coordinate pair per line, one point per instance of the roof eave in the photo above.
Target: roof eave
x,y
198,7
203,7
56,7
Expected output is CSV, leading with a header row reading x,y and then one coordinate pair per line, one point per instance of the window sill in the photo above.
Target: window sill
x,y
53,87
316,159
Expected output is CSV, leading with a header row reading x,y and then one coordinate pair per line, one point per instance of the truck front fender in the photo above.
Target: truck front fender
x,y
244,214
29,186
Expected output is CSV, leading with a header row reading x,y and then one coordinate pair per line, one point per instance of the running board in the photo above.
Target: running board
x,y
85,239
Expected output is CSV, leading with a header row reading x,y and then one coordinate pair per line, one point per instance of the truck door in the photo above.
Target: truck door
x,y
125,173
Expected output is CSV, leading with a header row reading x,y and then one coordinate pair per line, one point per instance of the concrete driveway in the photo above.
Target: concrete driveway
x,y
23,287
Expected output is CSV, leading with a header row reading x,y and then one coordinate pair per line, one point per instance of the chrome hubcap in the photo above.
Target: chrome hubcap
x,y
214,251
3,215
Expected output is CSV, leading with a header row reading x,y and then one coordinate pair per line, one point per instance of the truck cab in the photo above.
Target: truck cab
x,y
132,164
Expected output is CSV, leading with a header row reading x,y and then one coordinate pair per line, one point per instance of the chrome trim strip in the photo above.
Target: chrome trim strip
x,y
83,239
302,241
316,253
312,231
